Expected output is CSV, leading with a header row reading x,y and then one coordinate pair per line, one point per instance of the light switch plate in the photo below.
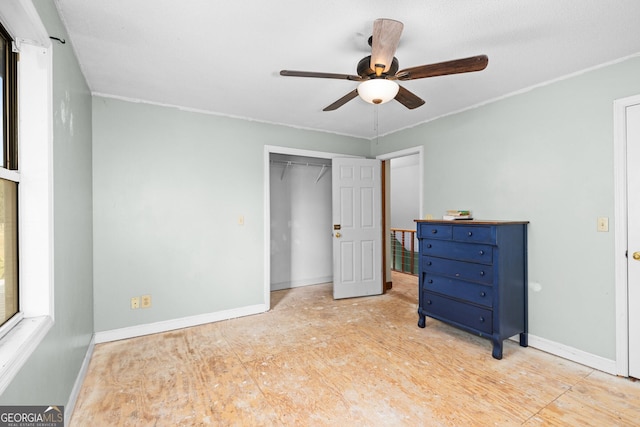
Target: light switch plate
x,y
603,223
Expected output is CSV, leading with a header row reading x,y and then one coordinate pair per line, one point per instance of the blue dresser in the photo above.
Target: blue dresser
x,y
473,275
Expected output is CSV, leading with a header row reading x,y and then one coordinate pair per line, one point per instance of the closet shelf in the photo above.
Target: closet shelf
x,y
323,167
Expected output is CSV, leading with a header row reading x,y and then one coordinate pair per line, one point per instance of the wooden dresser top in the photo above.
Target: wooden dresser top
x,y
470,221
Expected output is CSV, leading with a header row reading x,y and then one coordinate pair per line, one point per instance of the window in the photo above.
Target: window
x,y
8,187
32,184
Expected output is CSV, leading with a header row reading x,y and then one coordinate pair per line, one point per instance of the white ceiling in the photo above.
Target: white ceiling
x,y
224,57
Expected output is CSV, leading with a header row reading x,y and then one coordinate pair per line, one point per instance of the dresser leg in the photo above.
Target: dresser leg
x,y
524,340
497,349
421,321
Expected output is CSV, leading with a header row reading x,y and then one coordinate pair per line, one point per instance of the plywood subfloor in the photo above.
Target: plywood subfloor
x,y
313,361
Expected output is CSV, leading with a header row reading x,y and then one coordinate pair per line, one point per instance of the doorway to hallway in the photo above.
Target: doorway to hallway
x,y
403,202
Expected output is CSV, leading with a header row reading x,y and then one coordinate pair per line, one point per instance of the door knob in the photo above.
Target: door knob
x,y
338,235
636,256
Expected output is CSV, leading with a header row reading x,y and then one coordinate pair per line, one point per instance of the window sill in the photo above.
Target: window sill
x,y
17,346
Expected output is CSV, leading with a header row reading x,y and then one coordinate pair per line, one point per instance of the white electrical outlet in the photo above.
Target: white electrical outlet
x,y
145,301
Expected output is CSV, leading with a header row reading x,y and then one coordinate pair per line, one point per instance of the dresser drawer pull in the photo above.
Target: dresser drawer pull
x,y
429,263
428,302
481,319
470,234
481,252
482,273
430,281
434,231
483,294
428,245
457,274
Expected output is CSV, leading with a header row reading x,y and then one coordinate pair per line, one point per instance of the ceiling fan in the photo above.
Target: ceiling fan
x,y
377,73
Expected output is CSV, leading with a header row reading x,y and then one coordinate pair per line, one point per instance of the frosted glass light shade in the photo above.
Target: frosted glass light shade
x,y
378,91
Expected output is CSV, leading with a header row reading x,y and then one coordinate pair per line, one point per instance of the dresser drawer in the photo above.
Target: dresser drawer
x,y
460,251
477,234
480,273
458,312
434,231
473,292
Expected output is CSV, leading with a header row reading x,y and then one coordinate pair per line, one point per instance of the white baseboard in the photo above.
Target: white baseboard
x,y
77,386
573,354
170,325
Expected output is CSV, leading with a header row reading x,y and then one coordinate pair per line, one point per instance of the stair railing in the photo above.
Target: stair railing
x,y
403,251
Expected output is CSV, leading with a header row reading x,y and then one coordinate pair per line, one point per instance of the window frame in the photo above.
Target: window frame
x,y
27,329
10,142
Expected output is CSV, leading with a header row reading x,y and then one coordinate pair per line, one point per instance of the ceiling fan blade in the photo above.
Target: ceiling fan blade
x,y
292,73
408,99
340,102
384,42
465,65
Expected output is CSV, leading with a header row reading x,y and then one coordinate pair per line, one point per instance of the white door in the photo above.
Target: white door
x,y
633,220
357,227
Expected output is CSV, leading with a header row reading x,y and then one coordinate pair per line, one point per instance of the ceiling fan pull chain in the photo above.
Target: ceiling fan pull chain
x,y
375,121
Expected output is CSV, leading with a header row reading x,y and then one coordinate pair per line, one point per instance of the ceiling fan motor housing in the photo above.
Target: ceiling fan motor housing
x,y
364,68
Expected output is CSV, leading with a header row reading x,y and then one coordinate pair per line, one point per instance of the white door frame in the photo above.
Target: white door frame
x,y
268,149
620,229
419,150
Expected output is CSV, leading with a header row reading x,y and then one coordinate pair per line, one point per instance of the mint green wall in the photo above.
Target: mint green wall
x,y
545,156
169,186
49,375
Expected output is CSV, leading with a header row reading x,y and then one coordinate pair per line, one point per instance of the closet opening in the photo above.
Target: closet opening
x,y
300,221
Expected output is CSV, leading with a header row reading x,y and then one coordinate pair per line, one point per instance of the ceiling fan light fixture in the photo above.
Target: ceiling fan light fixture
x,y
378,91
